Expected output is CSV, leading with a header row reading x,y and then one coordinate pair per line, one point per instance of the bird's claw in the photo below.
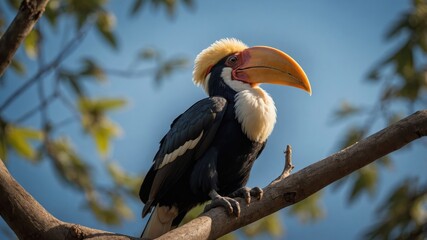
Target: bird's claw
x,y
231,205
248,193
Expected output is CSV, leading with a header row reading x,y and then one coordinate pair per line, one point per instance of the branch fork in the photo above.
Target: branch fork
x,y
288,166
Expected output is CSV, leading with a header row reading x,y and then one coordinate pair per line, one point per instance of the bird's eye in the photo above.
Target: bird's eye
x,y
232,60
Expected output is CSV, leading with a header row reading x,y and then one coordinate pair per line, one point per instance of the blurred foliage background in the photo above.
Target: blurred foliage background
x,y
402,75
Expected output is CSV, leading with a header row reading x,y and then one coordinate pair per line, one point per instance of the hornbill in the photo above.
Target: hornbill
x,y
210,148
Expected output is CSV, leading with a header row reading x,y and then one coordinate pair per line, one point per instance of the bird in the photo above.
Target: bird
x,y
210,149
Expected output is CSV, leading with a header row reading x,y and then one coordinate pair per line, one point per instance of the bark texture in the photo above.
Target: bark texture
x,y
29,220
29,13
307,181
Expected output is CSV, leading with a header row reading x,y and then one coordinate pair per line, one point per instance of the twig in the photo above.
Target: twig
x,y
67,103
52,65
64,122
129,73
40,53
304,183
29,220
46,101
288,165
29,12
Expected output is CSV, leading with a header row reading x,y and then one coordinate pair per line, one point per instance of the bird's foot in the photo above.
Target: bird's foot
x,y
231,205
248,193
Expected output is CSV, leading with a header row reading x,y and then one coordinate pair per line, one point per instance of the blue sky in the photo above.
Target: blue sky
x,y
336,42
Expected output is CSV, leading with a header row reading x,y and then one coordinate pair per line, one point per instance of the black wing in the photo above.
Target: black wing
x,y
190,135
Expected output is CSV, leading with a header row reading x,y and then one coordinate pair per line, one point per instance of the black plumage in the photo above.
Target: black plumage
x,y
221,160
209,150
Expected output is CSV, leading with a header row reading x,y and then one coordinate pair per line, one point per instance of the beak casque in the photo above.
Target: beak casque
x,y
269,65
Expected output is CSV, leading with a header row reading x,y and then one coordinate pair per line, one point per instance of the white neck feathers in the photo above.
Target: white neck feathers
x,y
254,108
256,112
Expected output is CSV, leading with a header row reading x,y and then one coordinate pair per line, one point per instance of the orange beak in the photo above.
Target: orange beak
x,y
269,65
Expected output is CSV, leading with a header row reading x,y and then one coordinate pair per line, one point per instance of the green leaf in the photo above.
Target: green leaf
x,y
136,7
309,209
402,215
18,67
110,38
52,12
31,44
394,117
170,6
105,24
422,42
21,146
71,168
104,214
385,162
365,182
188,3
411,88
402,59
82,10
121,178
147,54
404,62
167,68
101,105
229,236
97,124
28,133
111,210
270,225
18,138
193,213
14,3
346,110
102,133
3,147
121,208
374,75
73,81
92,69
109,104
353,135
398,27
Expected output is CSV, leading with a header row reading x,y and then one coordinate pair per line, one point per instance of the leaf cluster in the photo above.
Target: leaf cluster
x,y
56,83
407,61
402,76
403,215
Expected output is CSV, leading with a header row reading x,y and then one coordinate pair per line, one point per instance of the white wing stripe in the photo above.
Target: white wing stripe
x,y
190,144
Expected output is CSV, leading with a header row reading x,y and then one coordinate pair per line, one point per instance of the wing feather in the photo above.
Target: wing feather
x,y
188,127
190,135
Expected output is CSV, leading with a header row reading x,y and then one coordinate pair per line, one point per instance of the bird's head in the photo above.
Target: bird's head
x,y
241,67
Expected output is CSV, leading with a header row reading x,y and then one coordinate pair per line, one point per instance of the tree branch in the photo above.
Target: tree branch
x,y
64,53
29,220
307,181
288,165
29,12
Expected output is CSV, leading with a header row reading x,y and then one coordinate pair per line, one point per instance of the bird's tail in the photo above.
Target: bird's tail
x,y
160,221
